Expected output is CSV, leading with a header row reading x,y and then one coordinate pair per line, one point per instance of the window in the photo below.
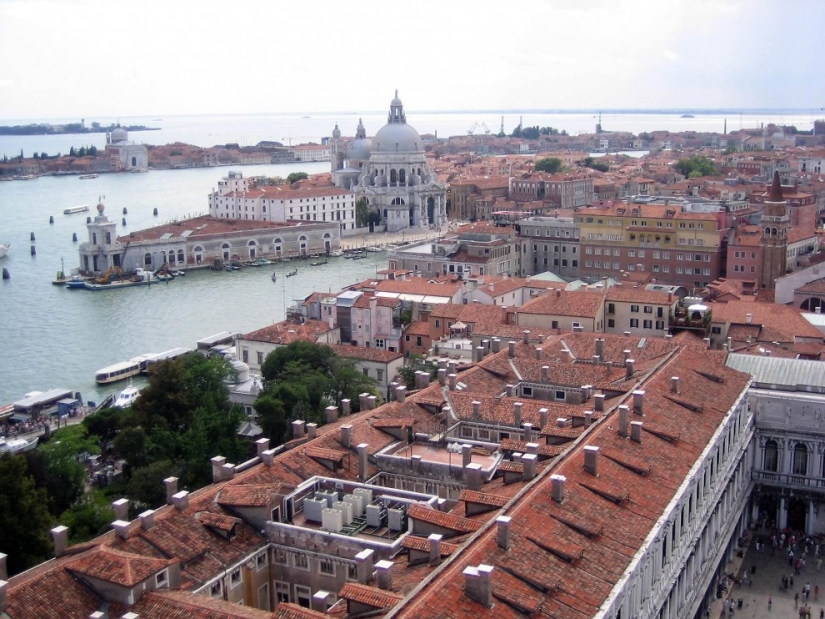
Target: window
x,y
648,324
260,561
800,459
327,566
648,309
559,394
365,371
303,595
771,458
282,591
216,590
660,325
555,324
301,561
260,358
245,355
379,375
162,579
634,322
437,324
611,308
278,556
352,571
634,309
611,323
235,577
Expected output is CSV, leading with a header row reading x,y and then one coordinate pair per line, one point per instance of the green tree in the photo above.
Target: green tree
x,y
590,162
295,177
549,164
24,516
91,516
362,213
81,152
696,163
55,468
103,425
645,136
146,487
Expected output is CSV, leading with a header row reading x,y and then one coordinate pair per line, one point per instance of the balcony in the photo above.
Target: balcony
x,y
788,480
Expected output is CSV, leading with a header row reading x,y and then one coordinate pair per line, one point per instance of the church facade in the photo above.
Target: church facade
x,y
390,171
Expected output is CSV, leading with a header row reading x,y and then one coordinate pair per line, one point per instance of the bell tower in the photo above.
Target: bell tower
x,y
337,150
774,225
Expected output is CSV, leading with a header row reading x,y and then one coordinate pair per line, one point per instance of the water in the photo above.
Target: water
x,y
288,129
55,337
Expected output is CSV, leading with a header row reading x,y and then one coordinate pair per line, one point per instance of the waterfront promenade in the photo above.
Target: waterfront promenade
x,y
765,582
382,239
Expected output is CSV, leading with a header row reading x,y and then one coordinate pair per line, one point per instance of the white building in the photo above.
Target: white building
x,y
131,156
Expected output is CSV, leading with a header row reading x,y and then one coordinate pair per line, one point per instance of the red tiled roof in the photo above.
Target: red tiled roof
x,y
286,332
376,355
117,567
422,544
245,495
364,594
320,453
442,519
472,496
218,521
562,303
171,604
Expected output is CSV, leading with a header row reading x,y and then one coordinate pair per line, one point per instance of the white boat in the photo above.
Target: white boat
x,y
17,445
76,209
84,177
122,370
126,397
4,249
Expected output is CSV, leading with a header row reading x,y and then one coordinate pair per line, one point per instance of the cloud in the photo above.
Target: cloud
x,y
670,55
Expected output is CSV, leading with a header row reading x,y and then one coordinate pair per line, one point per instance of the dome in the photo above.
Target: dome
x,y
119,135
401,134
359,149
336,133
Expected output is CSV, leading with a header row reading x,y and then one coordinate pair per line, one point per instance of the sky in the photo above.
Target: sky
x,y
94,58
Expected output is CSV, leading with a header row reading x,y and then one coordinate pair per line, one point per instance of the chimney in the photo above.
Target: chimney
x,y
730,343
539,353
171,484
596,359
364,565
312,429
626,354
478,584
121,509
627,333
383,571
217,468
345,406
121,528
130,616
346,435
600,348
496,344
478,353
98,614
472,476
511,348
261,445
509,390
531,448
4,570
332,414
591,460
517,406
435,548
623,420
749,318
636,431
452,378
466,454
529,462
60,535
452,366
320,601
362,401
181,500
525,336
528,431
298,428
557,491
363,461
706,340
503,536
228,471
674,384
628,366
545,373
588,418
599,400
486,345
147,519
638,401
268,457
476,409
544,415
401,393
442,376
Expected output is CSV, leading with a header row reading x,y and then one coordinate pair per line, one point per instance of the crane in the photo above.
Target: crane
x,y
476,126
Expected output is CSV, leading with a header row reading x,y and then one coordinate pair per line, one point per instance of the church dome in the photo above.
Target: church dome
x,y
397,136
336,133
359,149
119,135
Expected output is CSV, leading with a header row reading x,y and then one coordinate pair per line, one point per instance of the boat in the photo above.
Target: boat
x,y
76,282
4,249
24,177
293,272
179,273
76,209
126,397
122,370
275,277
17,445
374,249
318,263
84,177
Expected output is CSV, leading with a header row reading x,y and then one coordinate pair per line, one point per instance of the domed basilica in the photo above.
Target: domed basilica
x,y
391,172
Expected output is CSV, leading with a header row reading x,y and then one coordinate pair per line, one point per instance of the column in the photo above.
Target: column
x,y
782,517
810,521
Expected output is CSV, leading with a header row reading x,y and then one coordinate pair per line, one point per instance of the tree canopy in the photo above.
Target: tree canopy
x,y
696,163
300,381
549,164
295,177
362,213
594,164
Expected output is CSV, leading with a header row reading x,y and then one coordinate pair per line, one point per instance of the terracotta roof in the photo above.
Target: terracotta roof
x,y
638,295
320,453
218,521
285,332
117,567
422,544
245,495
287,610
371,596
442,519
472,496
206,226
417,285
405,422
171,604
360,353
562,303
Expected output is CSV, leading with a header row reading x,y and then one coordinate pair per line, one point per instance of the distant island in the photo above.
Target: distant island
x,y
81,127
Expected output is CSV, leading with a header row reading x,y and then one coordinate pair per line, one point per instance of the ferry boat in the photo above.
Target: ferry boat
x,y
122,370
17,445
76,209
84,177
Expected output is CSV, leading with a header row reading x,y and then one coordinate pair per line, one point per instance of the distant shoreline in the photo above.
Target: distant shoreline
x,y
72,129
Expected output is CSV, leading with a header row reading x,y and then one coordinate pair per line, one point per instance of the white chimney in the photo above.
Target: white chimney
x,y
749,318
591,459
496,344
544,415
435,548
623,420
599,402
171,484
332,414
557,491
147,519
320,601
261,445
4,571
476,409
228,471
364,565
60,535
401,393
529,463
517,407
503,536
511,348
539,353
121,509
312,430
674,384
472,476
268,457
466,454
636,431
638,402
298,428
345,406
545,373
383,572
525,336
478,584
181,500
363,461
588,418
121,528
217,468
452,378
442,376
628,366
346,435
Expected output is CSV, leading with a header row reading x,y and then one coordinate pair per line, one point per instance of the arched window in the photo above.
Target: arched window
x,y
225,251
198,254
147,259
771,462
181,257
393,176
252,249
172,257
398,201
800,459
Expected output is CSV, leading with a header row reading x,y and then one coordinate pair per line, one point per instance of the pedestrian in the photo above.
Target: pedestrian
x,y
822,613
818,564
796,599
770,601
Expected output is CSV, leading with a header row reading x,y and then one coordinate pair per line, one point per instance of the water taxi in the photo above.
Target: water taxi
x,y
126,397
76,209
122,370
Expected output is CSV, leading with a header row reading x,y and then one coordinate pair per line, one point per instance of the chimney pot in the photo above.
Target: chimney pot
x,y
529,462
517,408
435,548
171,484
479,353
591,459
442,376
749,318
525,336
503,536
600,348
588,418
332,414
268,457
472,476
121,528
345,406
312,430
261,445
121,509
511,348
181,500
320,601
636,431
558,482
628,366
298,428
364,564
626,354
638,401
476,409
539,353
383,571
401,393
363,461
528,431
478,584
147,519
228,471
346,435
217,468
599,400
545,373
544,415
623,420
674,384
60,535
452,378
496,344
